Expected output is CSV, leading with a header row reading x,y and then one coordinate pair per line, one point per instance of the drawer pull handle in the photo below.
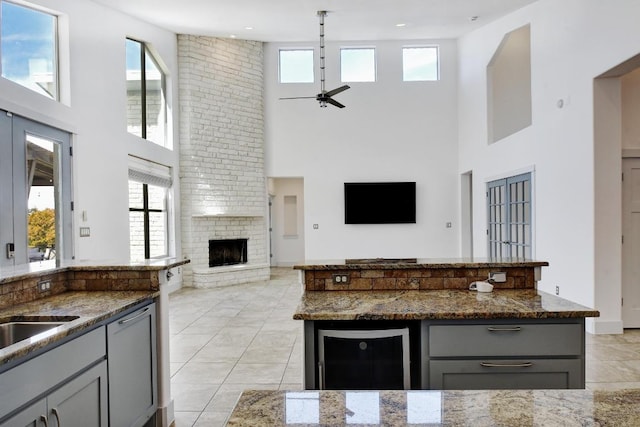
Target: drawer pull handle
x,y
320,377
506,365
44,420
122,322
514,329
57,415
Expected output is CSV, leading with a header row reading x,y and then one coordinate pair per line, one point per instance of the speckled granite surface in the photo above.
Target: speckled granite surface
x,y
436,304
438,408
44,268
86,308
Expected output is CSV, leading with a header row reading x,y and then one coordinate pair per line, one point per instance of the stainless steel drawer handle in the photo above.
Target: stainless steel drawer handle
x,y
506,365
44,420
514,329
123,321
57,415
320,377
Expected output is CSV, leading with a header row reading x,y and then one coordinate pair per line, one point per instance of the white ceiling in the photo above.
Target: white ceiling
x,y
296,20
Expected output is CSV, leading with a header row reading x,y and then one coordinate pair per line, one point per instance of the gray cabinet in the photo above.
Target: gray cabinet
x,y
131,352
503,354
82,402
25,383
76,374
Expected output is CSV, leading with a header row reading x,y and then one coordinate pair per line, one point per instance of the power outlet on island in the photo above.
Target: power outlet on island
x,y
340,278
44,285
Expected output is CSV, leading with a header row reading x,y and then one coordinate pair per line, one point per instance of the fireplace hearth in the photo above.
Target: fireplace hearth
x,y
227,252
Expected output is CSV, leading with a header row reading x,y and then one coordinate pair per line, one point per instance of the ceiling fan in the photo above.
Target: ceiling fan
x,y
324,97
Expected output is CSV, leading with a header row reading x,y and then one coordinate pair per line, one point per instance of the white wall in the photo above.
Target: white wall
x,y
572,42
389,131
96,115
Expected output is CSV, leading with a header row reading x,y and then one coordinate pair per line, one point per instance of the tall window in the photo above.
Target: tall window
x,y
148,214
146,104
28,48
510,228
420,64
296,66
358,64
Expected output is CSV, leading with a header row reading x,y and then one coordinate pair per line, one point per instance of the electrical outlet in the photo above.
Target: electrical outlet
x,y
340,278
557,290
44,286
498,276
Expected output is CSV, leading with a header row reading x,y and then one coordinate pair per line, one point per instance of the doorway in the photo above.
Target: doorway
x,y
631,242
35,191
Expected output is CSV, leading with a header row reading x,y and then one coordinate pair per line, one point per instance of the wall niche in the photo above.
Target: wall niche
x,y
509,85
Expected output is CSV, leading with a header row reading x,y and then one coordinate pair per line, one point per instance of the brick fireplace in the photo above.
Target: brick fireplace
x,y
222,182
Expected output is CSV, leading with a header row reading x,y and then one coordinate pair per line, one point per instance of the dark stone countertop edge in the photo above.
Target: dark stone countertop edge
x,y
446,316
381,264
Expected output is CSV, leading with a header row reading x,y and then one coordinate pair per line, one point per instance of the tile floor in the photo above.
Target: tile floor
x,y
241,337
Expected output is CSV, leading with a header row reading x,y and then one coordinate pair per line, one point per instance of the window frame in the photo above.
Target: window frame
x,y
375,64
146,211
144,53
437,50
56,95
301,49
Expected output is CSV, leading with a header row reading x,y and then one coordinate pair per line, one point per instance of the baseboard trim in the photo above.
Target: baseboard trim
x,y
600,327
165,417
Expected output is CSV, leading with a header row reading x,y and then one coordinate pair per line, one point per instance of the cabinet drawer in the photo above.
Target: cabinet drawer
x,y
472,340
505,374
25,382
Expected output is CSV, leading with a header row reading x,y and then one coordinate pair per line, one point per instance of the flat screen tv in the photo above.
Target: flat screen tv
x,y
379,202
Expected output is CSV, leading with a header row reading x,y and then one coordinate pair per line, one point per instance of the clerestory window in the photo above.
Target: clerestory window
x,y
296,66
358,64
146,101
28,48
420,64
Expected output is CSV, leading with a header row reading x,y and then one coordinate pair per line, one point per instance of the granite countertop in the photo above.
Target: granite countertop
x,y
438,408
436,304
410,263
85,308
37,269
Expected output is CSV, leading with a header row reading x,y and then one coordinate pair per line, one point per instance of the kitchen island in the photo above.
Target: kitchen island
x,y
476,408
419,320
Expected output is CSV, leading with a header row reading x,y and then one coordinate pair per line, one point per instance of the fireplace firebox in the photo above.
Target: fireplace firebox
x,y
227,252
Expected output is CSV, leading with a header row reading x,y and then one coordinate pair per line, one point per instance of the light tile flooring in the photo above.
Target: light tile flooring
x,y
241,337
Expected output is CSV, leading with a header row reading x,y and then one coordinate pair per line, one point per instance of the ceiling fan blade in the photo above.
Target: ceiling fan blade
x,y
301,97
333,102
337,90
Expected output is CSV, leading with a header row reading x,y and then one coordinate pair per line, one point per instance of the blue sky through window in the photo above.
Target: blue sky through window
x,y
28,47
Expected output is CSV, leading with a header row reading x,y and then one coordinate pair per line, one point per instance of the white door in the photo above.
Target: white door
x,y
631,243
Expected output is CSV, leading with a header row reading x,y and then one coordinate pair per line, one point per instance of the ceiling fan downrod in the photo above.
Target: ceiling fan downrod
x,y
321,15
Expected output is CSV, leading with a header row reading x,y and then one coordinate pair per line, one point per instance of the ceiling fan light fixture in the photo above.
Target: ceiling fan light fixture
x,y
324,97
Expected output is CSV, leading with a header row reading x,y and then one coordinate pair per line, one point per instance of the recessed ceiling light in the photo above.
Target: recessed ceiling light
x,y
401,25
233,36
248,28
